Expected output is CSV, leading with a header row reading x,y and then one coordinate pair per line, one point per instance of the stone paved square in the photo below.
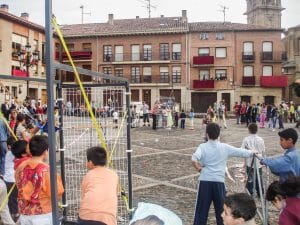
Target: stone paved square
x,y
163,173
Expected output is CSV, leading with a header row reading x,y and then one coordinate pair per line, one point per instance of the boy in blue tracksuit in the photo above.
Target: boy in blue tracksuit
x,y
210,159
289,163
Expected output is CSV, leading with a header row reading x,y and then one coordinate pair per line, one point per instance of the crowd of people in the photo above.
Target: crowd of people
x,y
26,175
267,114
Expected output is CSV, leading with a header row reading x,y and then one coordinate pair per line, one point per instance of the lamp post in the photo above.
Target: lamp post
x,y
28,59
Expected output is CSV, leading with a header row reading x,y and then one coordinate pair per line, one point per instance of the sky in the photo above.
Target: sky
x,y
69,11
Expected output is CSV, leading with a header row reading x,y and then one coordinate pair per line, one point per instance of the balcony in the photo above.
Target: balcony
x,y
199,84
272,57
248,81
18,73
130,58
274,81
248,57
76,55
150,80
203,61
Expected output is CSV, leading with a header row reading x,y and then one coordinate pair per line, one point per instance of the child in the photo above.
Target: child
x,y
285,197
115,118
99,198
239,209
253,142
210,158
191,117
182,119
289,163
33,183
9,176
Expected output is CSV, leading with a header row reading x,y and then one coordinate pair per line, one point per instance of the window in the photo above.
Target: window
x,y
147,74
43,53
267,70
248,48
107,53
119,72
135,74
220,36
135,52
86,46
221,53
107,70
14,91
147,53
204,75
248,71
267,53
86,78
118,53
164,74
71,46
164,51
176,52
176,74
221,75
204,36
203,51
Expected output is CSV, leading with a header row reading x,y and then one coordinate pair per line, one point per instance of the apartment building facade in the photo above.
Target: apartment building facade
x,y
16,33
150,53
197,63
291,66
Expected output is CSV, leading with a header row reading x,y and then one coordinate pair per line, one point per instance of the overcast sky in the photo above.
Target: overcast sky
x,y
68,11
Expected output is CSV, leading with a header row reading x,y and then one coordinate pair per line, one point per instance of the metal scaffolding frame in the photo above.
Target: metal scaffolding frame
x,y
50,68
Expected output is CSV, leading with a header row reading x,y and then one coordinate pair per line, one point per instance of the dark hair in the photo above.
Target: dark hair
x,y
149,220
38,145
10,140
19,119
291,186
213,131
289,133
97,155
19,148
242,206
274,190
252,128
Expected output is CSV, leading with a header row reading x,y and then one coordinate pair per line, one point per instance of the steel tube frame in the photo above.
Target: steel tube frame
x,y
50,109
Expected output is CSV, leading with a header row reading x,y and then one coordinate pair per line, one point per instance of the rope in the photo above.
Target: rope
x,y
89,107
7,197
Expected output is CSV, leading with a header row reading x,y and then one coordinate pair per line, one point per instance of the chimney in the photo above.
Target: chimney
x,y
4,7
137,17
184,17
110,19
162,16
25,16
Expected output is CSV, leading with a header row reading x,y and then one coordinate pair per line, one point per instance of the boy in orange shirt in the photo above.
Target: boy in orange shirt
x,y
33,183
99,191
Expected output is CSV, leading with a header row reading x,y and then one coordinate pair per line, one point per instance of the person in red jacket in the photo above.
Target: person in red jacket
x,y
286,197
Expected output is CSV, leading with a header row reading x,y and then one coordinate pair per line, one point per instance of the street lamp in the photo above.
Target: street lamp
x,y
28,59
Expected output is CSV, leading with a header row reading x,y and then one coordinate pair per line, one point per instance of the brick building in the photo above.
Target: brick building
x,y
16,33
235,62
198,63
291,67
150,53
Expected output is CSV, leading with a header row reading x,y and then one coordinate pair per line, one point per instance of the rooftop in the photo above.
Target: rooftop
x,y
128,26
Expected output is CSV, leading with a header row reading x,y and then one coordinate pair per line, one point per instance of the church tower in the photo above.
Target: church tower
x,y
264,12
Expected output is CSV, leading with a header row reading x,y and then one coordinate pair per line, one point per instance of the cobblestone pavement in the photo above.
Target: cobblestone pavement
x,y
163,173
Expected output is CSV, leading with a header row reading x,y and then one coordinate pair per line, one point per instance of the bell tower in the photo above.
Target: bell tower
x,y
266,13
